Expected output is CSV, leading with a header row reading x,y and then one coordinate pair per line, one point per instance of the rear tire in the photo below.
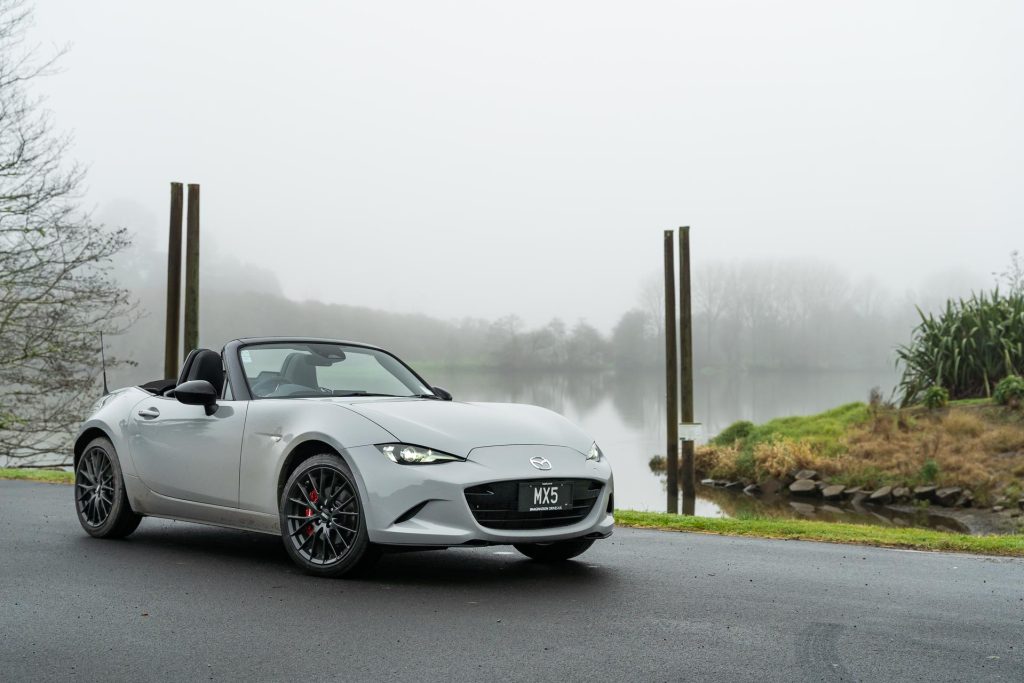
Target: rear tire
x,y
559,551
323,520
101,501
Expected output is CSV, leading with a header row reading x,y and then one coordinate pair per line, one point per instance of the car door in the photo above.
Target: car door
x,y
181,452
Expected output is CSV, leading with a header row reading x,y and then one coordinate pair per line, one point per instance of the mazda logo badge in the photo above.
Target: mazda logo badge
x,y
540,463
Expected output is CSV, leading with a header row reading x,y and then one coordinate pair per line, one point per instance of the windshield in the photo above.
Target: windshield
x,y
303,370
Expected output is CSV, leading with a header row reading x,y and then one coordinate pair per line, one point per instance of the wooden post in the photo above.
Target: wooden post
x,y
192,271
171,364
671,377
687,474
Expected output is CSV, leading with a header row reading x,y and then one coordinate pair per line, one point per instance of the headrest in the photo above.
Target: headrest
x,y
207,364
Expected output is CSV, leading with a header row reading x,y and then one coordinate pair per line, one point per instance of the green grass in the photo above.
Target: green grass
x,y
36,474
829,532
823,431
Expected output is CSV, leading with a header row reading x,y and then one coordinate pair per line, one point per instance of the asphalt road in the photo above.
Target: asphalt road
x,y
180,601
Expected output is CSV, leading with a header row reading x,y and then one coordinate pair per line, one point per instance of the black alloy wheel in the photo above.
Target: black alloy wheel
x,y
101,501
94,487
322,521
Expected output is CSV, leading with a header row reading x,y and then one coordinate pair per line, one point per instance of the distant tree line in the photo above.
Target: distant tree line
x,y
747,315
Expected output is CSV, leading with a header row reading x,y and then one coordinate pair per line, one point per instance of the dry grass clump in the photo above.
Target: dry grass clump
x,y
781,457
721,462
705,458
964,447
1003,440
961,424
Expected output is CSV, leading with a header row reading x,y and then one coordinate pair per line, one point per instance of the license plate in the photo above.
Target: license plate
x,y
544,497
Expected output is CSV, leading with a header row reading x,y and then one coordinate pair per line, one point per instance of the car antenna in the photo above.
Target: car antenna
x,y
103,360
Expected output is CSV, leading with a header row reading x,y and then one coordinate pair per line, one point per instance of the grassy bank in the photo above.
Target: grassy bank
x,y
973,444
32,474
829,532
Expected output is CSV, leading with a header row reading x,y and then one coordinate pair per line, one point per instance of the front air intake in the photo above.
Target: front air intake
x,y
496,505
411,512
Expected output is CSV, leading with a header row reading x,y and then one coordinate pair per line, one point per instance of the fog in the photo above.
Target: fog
x,y
482,159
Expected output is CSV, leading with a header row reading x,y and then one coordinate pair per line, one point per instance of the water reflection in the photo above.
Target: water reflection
x,y
724,503
625,411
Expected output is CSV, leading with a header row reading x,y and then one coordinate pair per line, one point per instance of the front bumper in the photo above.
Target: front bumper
x,y
443,518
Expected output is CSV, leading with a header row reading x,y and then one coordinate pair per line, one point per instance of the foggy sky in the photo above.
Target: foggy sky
x,y
485,158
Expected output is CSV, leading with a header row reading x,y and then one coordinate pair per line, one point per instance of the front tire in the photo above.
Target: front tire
x,y
323,522
559,551
100,497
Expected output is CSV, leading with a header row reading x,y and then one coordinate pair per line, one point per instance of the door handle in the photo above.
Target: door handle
x,y
149,413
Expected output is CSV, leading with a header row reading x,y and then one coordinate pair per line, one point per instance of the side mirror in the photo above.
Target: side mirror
x,y
442,393
197,392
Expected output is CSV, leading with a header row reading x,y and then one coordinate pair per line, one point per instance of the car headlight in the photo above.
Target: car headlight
x,y
594,453
405,454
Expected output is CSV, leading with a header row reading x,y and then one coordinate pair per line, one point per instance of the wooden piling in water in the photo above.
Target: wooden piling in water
x,y
687,474
671,377
171,326
191,337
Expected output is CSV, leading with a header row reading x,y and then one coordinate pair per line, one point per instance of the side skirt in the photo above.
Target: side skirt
x,y
153,504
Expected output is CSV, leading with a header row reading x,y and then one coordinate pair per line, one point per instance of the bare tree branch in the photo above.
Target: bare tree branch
x,y
56,292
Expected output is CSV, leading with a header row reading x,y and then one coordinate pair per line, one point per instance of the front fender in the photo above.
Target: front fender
x,y
277,429
109,415
109,418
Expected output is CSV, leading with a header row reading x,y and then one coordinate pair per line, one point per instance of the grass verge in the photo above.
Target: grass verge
x,y
828,532
33,474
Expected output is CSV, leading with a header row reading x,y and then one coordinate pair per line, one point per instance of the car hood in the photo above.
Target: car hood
x,y
457,428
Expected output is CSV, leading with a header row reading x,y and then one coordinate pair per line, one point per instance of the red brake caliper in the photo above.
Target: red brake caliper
x,y
313,497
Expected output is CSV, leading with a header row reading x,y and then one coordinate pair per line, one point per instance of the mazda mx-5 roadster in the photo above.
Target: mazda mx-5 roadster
x,y
343,450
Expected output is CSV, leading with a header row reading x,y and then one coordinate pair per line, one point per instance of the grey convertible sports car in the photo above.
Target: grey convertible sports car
x,y
343,450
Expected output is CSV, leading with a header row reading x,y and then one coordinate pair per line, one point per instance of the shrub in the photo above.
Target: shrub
x,y
935,398
733,433
965,348
929,471
1010,391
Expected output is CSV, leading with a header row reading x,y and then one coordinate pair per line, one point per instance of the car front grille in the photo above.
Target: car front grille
x,y
496,505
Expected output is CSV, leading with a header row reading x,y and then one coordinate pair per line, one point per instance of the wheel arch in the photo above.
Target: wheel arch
x,y
299,453
83,440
